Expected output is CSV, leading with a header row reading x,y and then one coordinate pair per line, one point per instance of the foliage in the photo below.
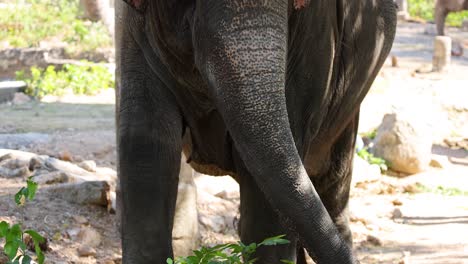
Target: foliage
x,y
370,135
237,253
86,78
371,159
14,247
446,191
425,9
27,23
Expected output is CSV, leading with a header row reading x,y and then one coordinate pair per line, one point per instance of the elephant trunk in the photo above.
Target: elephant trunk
x,y
243,56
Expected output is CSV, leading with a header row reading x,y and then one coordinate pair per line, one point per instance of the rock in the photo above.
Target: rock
x,y
51,178
397,202
439,161
397,213
80,219
20,172
213,222
65,156
404,140
185,230
89,165
374,240
86,251
90,192
89,236
20,98
394,61
72,233
442,52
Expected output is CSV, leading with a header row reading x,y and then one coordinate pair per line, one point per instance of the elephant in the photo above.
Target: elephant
x,y
443,7
267,91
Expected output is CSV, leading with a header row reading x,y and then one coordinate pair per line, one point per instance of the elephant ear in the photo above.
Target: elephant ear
x,y
139,5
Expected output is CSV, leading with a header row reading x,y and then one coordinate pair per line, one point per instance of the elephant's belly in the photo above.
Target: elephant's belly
x,y
208,146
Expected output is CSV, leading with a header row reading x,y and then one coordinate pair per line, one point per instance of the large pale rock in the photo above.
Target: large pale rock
x,y
404,140
185,231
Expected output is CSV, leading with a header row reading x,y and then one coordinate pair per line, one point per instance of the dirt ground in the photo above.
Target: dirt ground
x,y
391,222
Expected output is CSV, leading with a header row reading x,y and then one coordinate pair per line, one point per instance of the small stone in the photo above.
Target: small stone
x,y
89,236
65,156
86,251
73,233
397,213
374,240
397,202
80,219
20,98
89,165
394,61
438,161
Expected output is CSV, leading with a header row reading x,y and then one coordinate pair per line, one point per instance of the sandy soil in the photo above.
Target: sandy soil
x,y
391,222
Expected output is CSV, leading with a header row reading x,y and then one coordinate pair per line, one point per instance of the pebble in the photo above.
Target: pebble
x,y
89,165
397,213
374,240
397,202
80,219
86,251
89,236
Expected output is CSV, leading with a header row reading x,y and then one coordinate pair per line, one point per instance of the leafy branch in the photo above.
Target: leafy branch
x,y
14,247
235,253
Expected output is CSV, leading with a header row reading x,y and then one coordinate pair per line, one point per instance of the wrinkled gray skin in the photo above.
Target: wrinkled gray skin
x,y
442,9
259,90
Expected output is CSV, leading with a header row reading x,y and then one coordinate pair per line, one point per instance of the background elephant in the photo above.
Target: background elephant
x,y
443,7
265,91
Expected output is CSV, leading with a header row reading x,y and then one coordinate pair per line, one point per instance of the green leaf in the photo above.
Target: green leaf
x,y
19,196
40,255
26,259
11,248
4,227
14,234
272,241
287,261
169,261
32,188
37,238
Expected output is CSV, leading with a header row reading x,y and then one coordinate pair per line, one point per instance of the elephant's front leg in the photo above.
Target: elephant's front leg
x,y
259,221
149,140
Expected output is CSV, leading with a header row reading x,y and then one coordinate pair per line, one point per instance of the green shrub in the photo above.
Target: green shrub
x,y
441,190
425,9
27,23
14,246
371,159
237,253
86,78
